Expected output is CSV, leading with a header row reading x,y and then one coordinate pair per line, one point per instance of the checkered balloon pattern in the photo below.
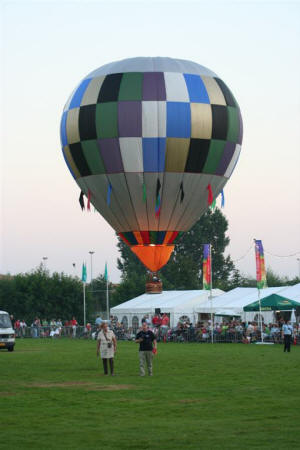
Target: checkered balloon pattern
x,y
136,123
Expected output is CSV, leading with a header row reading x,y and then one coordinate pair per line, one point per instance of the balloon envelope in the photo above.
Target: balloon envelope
x,y
144,138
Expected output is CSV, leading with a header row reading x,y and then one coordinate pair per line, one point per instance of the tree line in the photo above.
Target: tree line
x,y
41,294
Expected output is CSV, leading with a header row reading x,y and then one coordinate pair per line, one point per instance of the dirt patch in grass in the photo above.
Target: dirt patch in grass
x,y
190,400
114,387
86,385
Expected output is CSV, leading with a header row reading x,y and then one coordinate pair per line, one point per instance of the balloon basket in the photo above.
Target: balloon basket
x,y
153,284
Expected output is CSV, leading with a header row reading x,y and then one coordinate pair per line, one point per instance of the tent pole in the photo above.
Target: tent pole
x,y
84,315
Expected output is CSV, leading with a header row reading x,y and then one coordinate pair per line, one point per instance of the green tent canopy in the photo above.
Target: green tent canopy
x,y
273,302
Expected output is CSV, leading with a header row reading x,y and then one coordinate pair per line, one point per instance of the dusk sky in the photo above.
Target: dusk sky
x,y
48,47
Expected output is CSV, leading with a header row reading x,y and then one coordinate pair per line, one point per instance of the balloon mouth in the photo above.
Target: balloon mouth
x,y
154,257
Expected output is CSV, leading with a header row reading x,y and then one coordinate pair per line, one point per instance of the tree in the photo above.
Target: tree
x,y
273,280
97,289
37,294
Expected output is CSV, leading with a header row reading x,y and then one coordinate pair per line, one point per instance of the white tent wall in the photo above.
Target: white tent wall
x,y
175,303
267,316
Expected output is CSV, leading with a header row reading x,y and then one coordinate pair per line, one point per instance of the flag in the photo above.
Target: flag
x,y
210,197
109,189
157,203
181,192
89,201
223,199
261,277
81,200
83,274
105,273
213,205
144,193
206,267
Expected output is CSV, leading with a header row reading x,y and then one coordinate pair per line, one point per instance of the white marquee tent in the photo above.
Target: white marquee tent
x,y
176,303
232,303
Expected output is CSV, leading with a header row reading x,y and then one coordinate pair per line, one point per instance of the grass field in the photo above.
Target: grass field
x,y
202,396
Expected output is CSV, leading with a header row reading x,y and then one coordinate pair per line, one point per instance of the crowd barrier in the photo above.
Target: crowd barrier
x,y
169,335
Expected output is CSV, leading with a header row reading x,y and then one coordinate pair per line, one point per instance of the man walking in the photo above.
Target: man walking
x,y
287,331
148,347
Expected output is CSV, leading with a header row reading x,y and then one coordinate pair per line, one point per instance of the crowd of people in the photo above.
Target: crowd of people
x,y
229,331
184,331
40,328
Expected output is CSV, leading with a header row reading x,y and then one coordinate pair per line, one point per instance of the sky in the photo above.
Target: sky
x,y
48,47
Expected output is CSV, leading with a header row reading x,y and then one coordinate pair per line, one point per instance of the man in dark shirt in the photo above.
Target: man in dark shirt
x,y
147,341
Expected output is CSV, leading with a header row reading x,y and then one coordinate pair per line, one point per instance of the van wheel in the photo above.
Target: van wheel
x,y
10,349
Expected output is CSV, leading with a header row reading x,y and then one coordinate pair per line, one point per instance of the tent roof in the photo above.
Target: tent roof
x,y
273,302
167,301
292,292
235,300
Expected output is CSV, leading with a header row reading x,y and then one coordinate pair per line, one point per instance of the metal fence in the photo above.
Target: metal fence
x,y
79,332
163,335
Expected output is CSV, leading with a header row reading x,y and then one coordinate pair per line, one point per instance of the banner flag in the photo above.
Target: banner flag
x,y
105,273
83,273
261,277
108,195
206,267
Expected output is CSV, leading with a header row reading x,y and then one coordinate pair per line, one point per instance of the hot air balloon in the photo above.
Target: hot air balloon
x,y
149,141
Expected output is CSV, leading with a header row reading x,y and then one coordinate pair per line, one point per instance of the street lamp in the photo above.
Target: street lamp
x,y
91,253
44,258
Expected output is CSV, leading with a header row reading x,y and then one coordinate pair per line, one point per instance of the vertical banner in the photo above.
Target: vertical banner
x,y
83,273
261,277
206,267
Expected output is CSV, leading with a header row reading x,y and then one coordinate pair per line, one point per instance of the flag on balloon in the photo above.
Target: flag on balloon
x,y
81,200
223,199
261,277
158,199
206,267
109,189
83,273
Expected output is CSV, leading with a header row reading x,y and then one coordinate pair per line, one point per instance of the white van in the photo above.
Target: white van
x,y
7,333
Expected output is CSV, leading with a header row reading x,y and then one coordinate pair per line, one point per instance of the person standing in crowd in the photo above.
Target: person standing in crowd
x,y
146,319
287,332
98,320
17,328
148,347
107,347
164,327
12,319
74,324
22,328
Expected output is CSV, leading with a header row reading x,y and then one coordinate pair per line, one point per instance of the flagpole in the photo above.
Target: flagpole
x,y
84,315
258,279
210,295
107,297
260,317
107,301
83,279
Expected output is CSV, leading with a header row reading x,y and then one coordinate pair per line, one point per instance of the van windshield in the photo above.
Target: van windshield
x,y
5,321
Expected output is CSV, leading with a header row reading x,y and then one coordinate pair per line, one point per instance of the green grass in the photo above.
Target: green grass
x,y
202,396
